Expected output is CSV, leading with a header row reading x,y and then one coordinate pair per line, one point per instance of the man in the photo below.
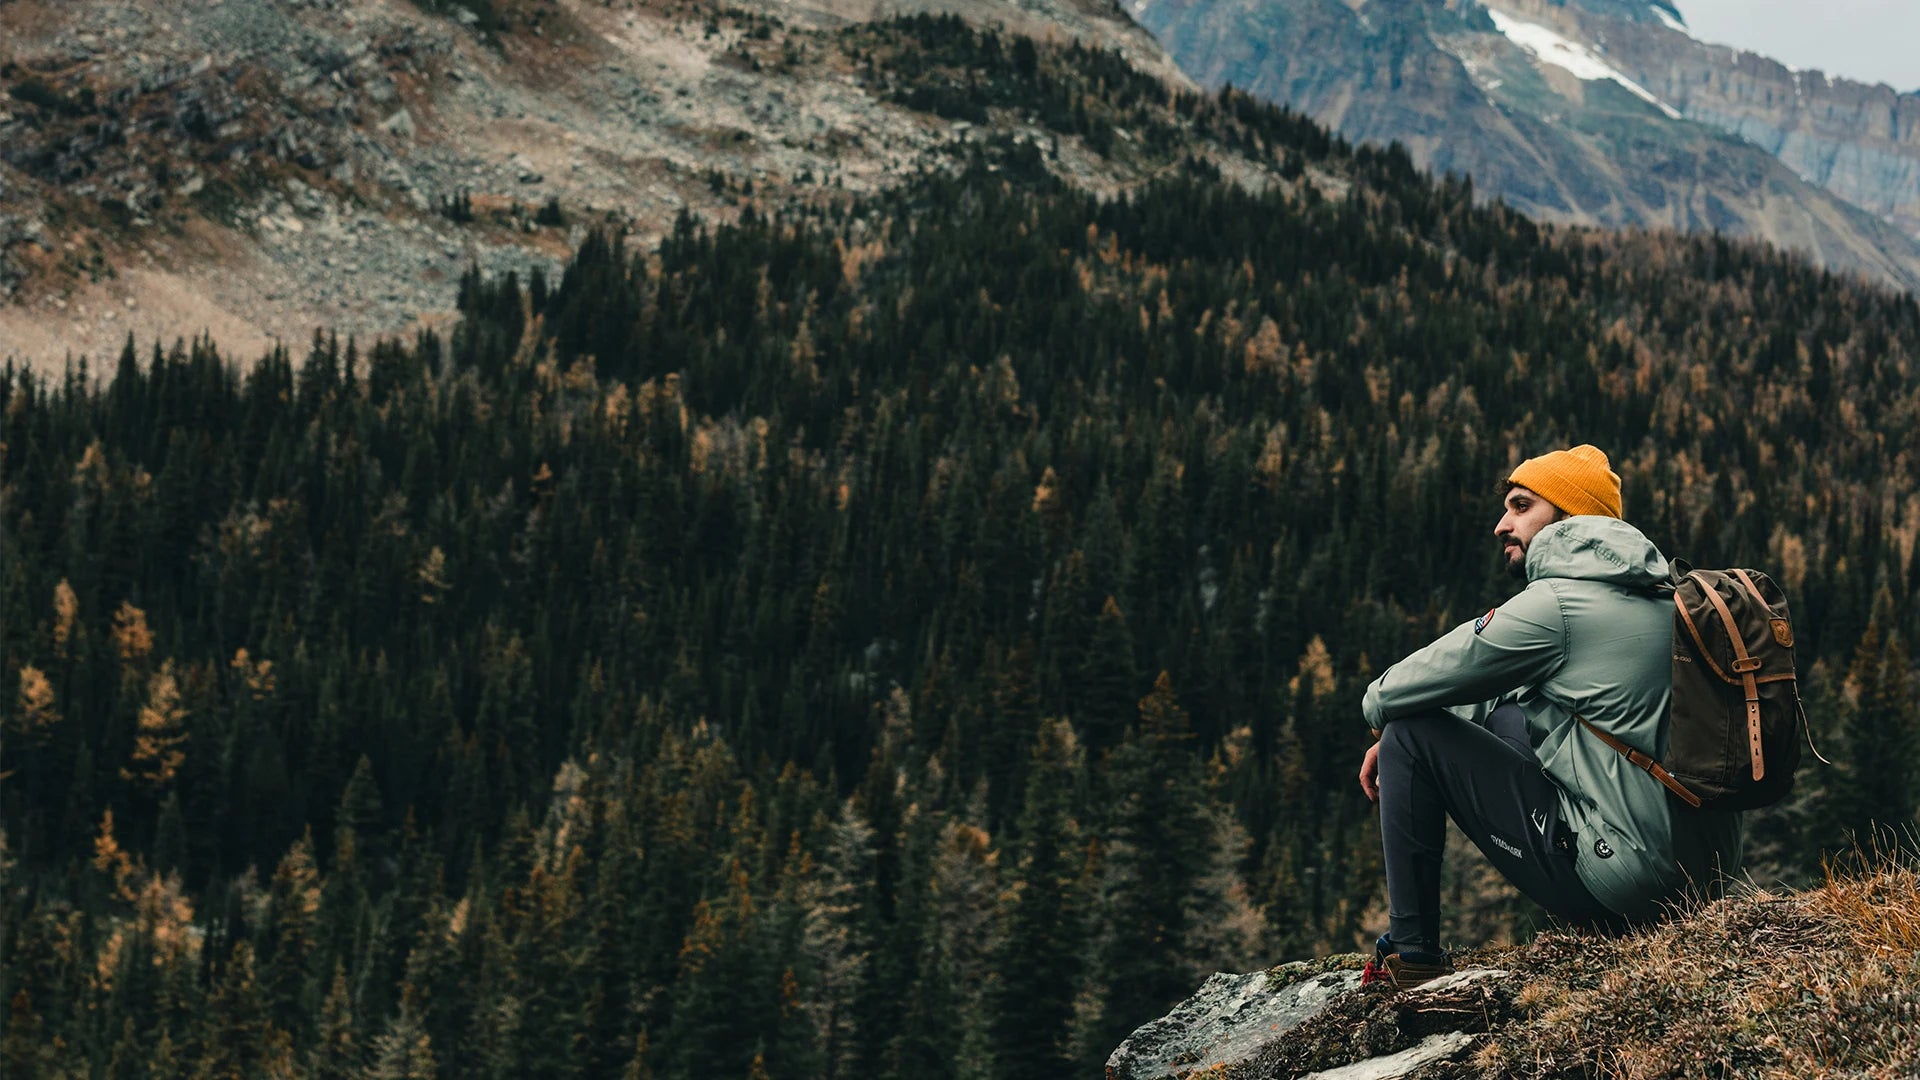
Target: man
x,y
1481,724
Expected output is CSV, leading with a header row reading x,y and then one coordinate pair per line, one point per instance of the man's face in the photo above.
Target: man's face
x,y
1526,514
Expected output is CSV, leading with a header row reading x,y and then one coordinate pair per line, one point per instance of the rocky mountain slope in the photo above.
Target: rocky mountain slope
x,y
1815,983
1592,111
256,169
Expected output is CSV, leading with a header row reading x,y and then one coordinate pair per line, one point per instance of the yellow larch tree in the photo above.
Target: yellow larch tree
x,y
157,747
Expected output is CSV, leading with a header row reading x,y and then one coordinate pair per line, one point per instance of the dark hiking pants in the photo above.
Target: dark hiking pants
x,y
1489,780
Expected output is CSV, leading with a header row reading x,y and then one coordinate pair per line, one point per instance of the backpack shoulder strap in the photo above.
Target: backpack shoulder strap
x,y
1645,763
1744,665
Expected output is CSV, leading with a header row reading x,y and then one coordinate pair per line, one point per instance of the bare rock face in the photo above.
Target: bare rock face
x,y
1315,1020
1649,128
1227,1022
1859,141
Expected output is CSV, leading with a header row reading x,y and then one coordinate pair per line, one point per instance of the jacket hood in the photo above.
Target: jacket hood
x,y
1595,548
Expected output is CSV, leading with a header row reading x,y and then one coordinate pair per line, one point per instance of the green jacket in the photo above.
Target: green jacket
x,y
1585,636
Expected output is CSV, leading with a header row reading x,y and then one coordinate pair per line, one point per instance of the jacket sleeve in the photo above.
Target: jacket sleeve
x,y
1517,644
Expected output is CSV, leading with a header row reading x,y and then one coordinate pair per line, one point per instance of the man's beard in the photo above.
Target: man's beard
x,y
1516,563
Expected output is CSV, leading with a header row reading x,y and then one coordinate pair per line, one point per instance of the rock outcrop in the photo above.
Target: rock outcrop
x,y
1228,1021
1817,982
1315,1019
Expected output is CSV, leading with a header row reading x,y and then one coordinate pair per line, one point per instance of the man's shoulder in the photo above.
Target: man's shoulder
x,y
1541,592
1618,607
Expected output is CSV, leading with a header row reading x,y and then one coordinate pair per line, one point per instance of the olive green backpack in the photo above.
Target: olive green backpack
x,y
1736,722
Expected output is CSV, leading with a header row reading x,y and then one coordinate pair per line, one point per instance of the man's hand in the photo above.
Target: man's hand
x,y
1370,773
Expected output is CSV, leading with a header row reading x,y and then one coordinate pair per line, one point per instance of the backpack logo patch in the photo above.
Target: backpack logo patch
x,y
1602,849
1480,623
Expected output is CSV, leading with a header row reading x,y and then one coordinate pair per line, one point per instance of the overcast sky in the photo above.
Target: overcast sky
x,y
1865,40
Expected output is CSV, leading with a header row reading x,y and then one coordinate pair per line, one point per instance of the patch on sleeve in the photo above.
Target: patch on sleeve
x,y
1480,623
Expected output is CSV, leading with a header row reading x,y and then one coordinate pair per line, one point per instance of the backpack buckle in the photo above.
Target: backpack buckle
x,y
1746,664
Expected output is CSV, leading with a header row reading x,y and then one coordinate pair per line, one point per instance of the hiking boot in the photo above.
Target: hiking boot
x,y
1392,970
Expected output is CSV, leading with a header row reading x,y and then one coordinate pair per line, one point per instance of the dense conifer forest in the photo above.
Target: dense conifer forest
x,y
914,635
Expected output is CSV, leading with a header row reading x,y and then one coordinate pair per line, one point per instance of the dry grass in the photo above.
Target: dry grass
x,y
1810,984
1820,983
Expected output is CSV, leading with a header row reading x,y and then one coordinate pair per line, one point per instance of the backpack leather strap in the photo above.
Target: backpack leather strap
x,y
1645,763
1782,629
1744,665
1752,589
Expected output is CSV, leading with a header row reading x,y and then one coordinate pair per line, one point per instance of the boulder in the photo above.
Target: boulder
x,y
1245,1026
1228,1021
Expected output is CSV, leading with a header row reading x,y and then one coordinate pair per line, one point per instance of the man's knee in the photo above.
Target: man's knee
x,y
1393,742
1404,740
1507,716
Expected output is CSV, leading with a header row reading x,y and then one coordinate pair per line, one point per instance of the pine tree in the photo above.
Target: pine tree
x,y
1159,557
1885,743
1285,871
35,712
1040,961
927,1035
159,745
838,942
723,992
1108,686
131,1055
289,980
1012,712
1791,842
240,1036
24,1048
1066,633
1161,848
945,1022
335,1053
361,808
404,1051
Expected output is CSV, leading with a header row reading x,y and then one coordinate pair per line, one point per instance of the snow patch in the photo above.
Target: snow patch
x,y
1672,23
1549,47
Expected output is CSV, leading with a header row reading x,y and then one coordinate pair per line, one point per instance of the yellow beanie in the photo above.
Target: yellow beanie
x,y
1578,481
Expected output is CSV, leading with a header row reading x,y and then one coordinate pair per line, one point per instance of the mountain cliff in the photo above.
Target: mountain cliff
x,y
1861,141
1594,111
